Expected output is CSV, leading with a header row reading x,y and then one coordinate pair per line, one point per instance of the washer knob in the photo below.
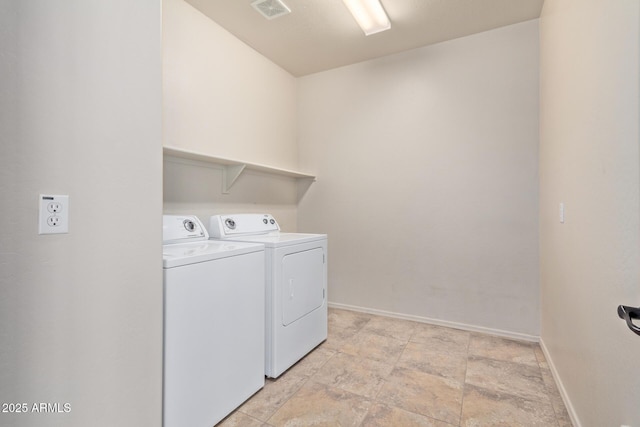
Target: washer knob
x,y
272,221
265,220
189,225
230,223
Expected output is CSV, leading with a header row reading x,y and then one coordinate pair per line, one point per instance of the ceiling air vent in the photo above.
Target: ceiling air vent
x,y
270,9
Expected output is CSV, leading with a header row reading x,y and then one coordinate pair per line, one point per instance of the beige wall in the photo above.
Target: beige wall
x,y
80,114
589,160
428,180
225,99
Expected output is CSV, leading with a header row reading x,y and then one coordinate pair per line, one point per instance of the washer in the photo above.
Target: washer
x,y
213,323
296,285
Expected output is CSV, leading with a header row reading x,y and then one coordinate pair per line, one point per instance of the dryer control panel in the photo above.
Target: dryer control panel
x,y
226,226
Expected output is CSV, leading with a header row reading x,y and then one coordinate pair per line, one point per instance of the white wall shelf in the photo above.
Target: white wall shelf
x,y
231,168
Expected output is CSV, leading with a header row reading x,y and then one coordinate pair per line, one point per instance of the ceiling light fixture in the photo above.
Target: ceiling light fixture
x,y
369,14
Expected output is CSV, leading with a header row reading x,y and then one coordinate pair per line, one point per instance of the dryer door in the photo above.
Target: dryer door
x,y
302,284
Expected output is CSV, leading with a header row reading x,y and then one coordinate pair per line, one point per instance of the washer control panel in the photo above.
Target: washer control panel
x,y
224,226
182,229
189,225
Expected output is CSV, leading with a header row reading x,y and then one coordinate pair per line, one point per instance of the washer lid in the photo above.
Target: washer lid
x,y
176,255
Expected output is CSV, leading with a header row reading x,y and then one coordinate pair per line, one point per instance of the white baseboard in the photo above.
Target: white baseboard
x,y
563,392
463,326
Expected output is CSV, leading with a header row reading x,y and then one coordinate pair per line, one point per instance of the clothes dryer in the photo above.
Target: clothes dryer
x,y
296,285
213,323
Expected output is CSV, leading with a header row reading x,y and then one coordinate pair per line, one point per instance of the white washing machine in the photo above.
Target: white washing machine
x,y
296,284
213,323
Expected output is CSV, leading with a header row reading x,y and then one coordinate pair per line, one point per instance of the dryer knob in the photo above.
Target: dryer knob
x,y
265,220
231,224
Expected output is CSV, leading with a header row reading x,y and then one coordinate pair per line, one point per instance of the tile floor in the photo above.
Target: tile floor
x,y
378,371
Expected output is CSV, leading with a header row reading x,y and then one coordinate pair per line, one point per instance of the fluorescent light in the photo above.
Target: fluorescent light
x,y
369,14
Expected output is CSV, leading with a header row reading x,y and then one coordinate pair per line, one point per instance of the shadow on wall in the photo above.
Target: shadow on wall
x,y
193,187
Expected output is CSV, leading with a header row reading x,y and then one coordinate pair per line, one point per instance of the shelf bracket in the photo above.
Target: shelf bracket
x,y
229,175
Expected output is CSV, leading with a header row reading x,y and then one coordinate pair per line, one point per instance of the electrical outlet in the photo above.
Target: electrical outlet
x,y
54,214
53,221
54,207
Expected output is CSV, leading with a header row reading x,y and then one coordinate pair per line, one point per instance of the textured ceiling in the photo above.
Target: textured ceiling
x,y
321,34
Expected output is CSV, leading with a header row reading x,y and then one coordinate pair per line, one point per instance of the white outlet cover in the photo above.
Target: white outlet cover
x,y
53,215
